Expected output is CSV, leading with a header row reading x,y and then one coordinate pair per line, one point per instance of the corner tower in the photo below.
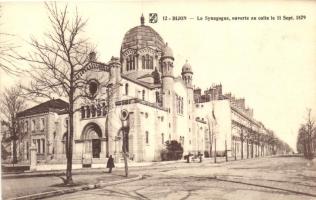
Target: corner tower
x,y
167,77
167,89
187,78
187,74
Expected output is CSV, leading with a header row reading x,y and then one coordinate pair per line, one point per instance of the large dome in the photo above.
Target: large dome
x,y
142,36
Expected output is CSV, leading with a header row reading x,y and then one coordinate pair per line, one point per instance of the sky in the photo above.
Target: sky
x,y
271,63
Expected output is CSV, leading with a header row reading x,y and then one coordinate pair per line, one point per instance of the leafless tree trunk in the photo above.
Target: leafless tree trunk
x,y
309,132
11,102
58,64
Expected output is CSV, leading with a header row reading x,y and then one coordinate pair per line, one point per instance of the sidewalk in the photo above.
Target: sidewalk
x,y
49,183
95,170
60,171
40,187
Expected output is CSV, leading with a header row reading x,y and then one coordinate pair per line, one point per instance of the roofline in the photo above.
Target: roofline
x,y
140,83
46,110
244,115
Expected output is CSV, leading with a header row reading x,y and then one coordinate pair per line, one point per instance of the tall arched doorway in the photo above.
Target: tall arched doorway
x,y
91,137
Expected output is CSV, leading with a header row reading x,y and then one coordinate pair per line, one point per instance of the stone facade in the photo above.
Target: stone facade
x,y
232,124
139,94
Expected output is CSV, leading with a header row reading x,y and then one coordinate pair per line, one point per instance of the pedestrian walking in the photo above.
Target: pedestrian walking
x,y
110,164
200,156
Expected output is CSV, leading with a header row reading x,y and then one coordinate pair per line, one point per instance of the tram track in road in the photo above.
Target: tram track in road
x,y
245,181
241,180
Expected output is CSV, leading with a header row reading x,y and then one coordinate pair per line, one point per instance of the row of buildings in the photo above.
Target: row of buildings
x,y
140,92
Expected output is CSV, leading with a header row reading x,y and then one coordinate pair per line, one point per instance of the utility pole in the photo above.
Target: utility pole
x,y
125,131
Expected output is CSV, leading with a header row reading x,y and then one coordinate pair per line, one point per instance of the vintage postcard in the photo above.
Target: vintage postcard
x,y
158,99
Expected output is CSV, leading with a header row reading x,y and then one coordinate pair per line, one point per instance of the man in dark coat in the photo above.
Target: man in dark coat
x,y
110,164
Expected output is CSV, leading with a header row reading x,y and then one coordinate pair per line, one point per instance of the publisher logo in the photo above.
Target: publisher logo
x,y
153,18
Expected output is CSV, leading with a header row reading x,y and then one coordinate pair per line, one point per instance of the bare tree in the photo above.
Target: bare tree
x,y
11,103
310,131
7,47
57,64
306,136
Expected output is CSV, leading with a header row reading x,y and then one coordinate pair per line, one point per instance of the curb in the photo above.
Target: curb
x,y
75,189
58,172
46,173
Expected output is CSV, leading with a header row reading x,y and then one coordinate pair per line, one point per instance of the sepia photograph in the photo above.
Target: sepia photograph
x,y
174,100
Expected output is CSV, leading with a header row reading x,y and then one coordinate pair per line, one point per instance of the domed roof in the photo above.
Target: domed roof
x,y
186,67
142,36
167,51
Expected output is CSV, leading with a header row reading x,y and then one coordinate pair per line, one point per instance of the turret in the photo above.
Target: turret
x,y
187,74
115,70
167,62
167,76
115,76
167,79
187,78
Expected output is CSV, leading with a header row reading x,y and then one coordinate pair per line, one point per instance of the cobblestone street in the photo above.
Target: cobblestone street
x,y
264,178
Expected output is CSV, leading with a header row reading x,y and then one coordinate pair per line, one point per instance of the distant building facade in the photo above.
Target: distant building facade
x,y
232,124
43,126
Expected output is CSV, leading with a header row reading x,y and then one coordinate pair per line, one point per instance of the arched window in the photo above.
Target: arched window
x,y
126,89
147,61
88,111
93,111
157,97
162,138
127,64
93,87
151,63
147,137
143,95
143,62
99,110
133,63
